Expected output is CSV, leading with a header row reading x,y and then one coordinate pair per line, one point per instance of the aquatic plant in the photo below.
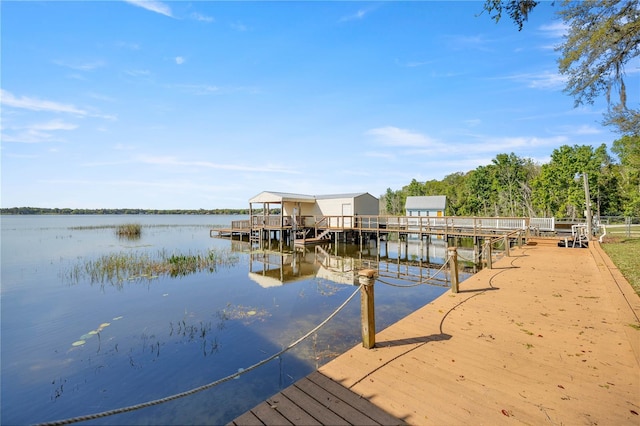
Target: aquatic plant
x,y
116,268
129,230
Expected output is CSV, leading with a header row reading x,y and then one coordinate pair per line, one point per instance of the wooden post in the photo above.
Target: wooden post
x,y
488,255
506,246
453,268
367,311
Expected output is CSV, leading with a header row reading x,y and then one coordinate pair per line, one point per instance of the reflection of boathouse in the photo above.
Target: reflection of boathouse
x,y
408,262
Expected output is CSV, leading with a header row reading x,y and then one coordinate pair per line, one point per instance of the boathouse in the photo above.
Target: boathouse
x,y
433,205
294,208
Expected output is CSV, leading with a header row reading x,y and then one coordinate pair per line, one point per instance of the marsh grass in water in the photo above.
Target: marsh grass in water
x,y
116,268
129,231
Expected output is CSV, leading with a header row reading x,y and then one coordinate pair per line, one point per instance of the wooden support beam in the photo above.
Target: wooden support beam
x,y
367,308
453,268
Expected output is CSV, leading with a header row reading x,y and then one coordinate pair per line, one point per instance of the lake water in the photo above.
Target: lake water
x,y
72,345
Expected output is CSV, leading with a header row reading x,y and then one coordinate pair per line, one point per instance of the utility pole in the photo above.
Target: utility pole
x,y
588,200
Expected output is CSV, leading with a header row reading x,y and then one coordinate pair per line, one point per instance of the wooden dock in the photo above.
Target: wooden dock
x,y
549,336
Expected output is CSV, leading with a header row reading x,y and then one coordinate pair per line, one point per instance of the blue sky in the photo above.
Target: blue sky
x,y
194,104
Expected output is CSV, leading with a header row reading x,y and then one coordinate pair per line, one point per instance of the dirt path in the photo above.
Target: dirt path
x,y
549,336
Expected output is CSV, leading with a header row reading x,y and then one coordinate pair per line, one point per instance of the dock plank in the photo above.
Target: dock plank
x,y
247,419
268,414
356,401
291,411
313,407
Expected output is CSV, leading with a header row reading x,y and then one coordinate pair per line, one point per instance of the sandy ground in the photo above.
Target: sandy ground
x,y
549,336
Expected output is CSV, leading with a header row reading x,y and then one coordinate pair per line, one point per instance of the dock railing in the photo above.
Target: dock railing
x,y
417,224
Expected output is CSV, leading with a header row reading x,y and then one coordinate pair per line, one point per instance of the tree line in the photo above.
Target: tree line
x,y
43,210
516,186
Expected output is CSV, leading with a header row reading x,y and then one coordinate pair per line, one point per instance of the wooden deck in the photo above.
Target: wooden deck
x,y
316,400
549,336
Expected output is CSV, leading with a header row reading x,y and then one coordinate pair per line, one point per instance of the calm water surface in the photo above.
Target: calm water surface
x,y
146,338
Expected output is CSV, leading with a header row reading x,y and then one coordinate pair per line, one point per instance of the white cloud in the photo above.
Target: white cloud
x,y
546,80
556,29
54,125
81,66
202,18
36,133
238,26
34,104
179,60
394,136
197,89
138,73
153,6
359,14
173,161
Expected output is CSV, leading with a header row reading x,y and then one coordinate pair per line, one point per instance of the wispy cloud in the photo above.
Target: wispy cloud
x,y
359,14
465,42
238,26
138,73
173,161
129,46
35,104
202,18
197,89
180,60
81,66
555,30
546,80
394,136
153,6
36,133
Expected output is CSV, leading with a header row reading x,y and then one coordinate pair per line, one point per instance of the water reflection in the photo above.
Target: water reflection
x,y
414,262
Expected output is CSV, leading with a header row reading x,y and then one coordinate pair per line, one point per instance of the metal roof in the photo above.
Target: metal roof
x,y
280,197
431,202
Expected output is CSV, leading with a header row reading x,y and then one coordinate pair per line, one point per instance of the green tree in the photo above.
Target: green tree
x,y
393,202
509,181
559,190
627,150
481,200
415,188
603,36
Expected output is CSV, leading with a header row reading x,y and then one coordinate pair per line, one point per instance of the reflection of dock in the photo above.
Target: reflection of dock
x,y
270,268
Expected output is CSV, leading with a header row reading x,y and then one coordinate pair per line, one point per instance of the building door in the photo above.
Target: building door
x,y
347,213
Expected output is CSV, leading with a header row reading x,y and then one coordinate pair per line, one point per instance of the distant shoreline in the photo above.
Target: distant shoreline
x,y
68,211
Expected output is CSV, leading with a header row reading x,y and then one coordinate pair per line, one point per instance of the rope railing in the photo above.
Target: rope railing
x,y
422,282
203,387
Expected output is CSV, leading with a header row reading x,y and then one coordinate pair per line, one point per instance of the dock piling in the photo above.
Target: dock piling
x,y
367,311
453,268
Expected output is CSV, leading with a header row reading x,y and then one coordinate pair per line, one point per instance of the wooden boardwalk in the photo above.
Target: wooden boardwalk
x,y
549,336
316,400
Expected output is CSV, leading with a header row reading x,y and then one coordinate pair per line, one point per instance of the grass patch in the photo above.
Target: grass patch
x,y
624,252
116,268
129,230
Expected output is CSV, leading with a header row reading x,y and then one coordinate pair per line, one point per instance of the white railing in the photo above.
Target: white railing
x,y
547,224
408,223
